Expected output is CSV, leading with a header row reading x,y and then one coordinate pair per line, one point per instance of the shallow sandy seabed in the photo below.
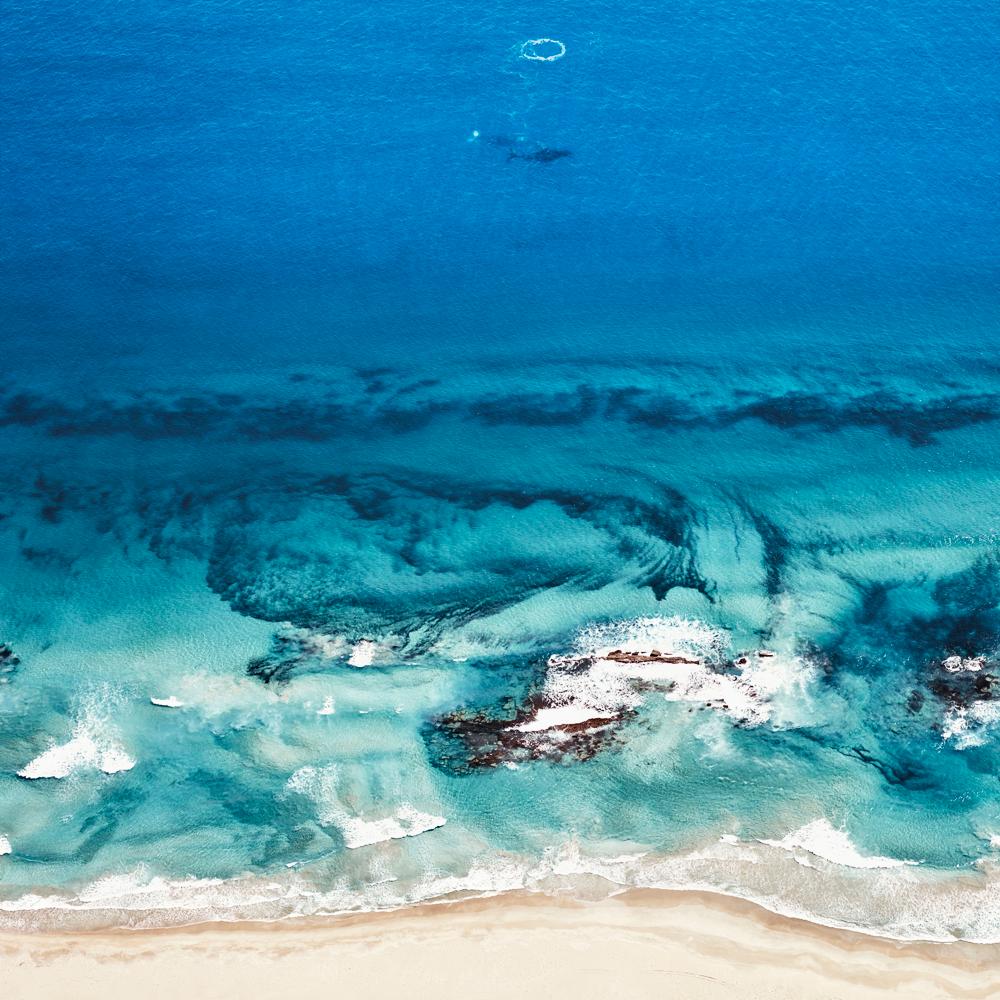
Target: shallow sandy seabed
x,y
640,944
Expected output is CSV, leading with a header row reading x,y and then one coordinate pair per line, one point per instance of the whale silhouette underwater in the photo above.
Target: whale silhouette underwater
x,y
544,154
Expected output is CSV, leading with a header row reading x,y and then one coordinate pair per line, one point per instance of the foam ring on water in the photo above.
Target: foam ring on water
x,y
528,49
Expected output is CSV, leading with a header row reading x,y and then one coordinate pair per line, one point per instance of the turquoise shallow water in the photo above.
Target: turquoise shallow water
x,y
323,566
429,470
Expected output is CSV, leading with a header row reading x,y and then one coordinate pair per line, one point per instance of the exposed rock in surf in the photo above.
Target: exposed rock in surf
x,y
967,689
959,681
963,665
654,656
541,730
584,700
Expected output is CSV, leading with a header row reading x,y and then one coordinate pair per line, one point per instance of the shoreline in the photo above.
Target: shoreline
x,y
635,944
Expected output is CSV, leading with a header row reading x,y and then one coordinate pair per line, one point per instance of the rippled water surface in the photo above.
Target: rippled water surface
x,y
433,467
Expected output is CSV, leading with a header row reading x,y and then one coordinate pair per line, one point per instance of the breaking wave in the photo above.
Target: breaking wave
x,y
888,899
94,745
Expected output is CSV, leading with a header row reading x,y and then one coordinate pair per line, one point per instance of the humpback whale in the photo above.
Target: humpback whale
x,y
543,155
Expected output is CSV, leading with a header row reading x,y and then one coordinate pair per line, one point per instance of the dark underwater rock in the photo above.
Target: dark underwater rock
x,y
958,682
9,663
295,650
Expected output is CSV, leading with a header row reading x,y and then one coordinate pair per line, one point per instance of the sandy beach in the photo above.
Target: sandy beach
x,y
639,944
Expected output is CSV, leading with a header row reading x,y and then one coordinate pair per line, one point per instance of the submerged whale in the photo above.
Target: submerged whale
x,y
543,155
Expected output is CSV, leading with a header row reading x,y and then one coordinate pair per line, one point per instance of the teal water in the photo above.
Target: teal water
x,y
354,468
322,567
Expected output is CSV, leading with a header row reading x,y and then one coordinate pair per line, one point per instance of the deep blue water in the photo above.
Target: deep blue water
x,y
336,404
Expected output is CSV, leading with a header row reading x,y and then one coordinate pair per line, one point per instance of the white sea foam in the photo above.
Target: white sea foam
x,y
5,847
733,695
170,702
140,891
591,685
955,726
321,784
328,707
115,759
964,665
61,761
564,715
823,840
530,49
93,745
112,888
363,653
905,903
970,726
669,635
768,687
81,752
405,822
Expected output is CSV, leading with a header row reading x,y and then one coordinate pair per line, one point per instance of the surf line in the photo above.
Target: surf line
x,y
530,49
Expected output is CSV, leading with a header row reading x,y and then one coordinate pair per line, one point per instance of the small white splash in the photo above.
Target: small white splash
x,y
329,706
5,847
823,840
362,654
170,702
964,665
114,760
539,49
995,840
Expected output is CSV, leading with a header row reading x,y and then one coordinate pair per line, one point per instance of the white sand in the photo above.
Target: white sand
x,y
665,945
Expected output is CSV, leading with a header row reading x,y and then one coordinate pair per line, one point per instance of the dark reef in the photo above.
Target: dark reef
x,y
465,741
9,663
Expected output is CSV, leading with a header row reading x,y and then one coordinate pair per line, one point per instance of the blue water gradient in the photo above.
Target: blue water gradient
x,y
365,440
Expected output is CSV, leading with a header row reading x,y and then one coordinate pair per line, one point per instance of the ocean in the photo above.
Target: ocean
x,y
449,451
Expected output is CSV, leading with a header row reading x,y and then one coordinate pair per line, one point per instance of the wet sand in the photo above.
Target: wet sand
x,y
643,943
